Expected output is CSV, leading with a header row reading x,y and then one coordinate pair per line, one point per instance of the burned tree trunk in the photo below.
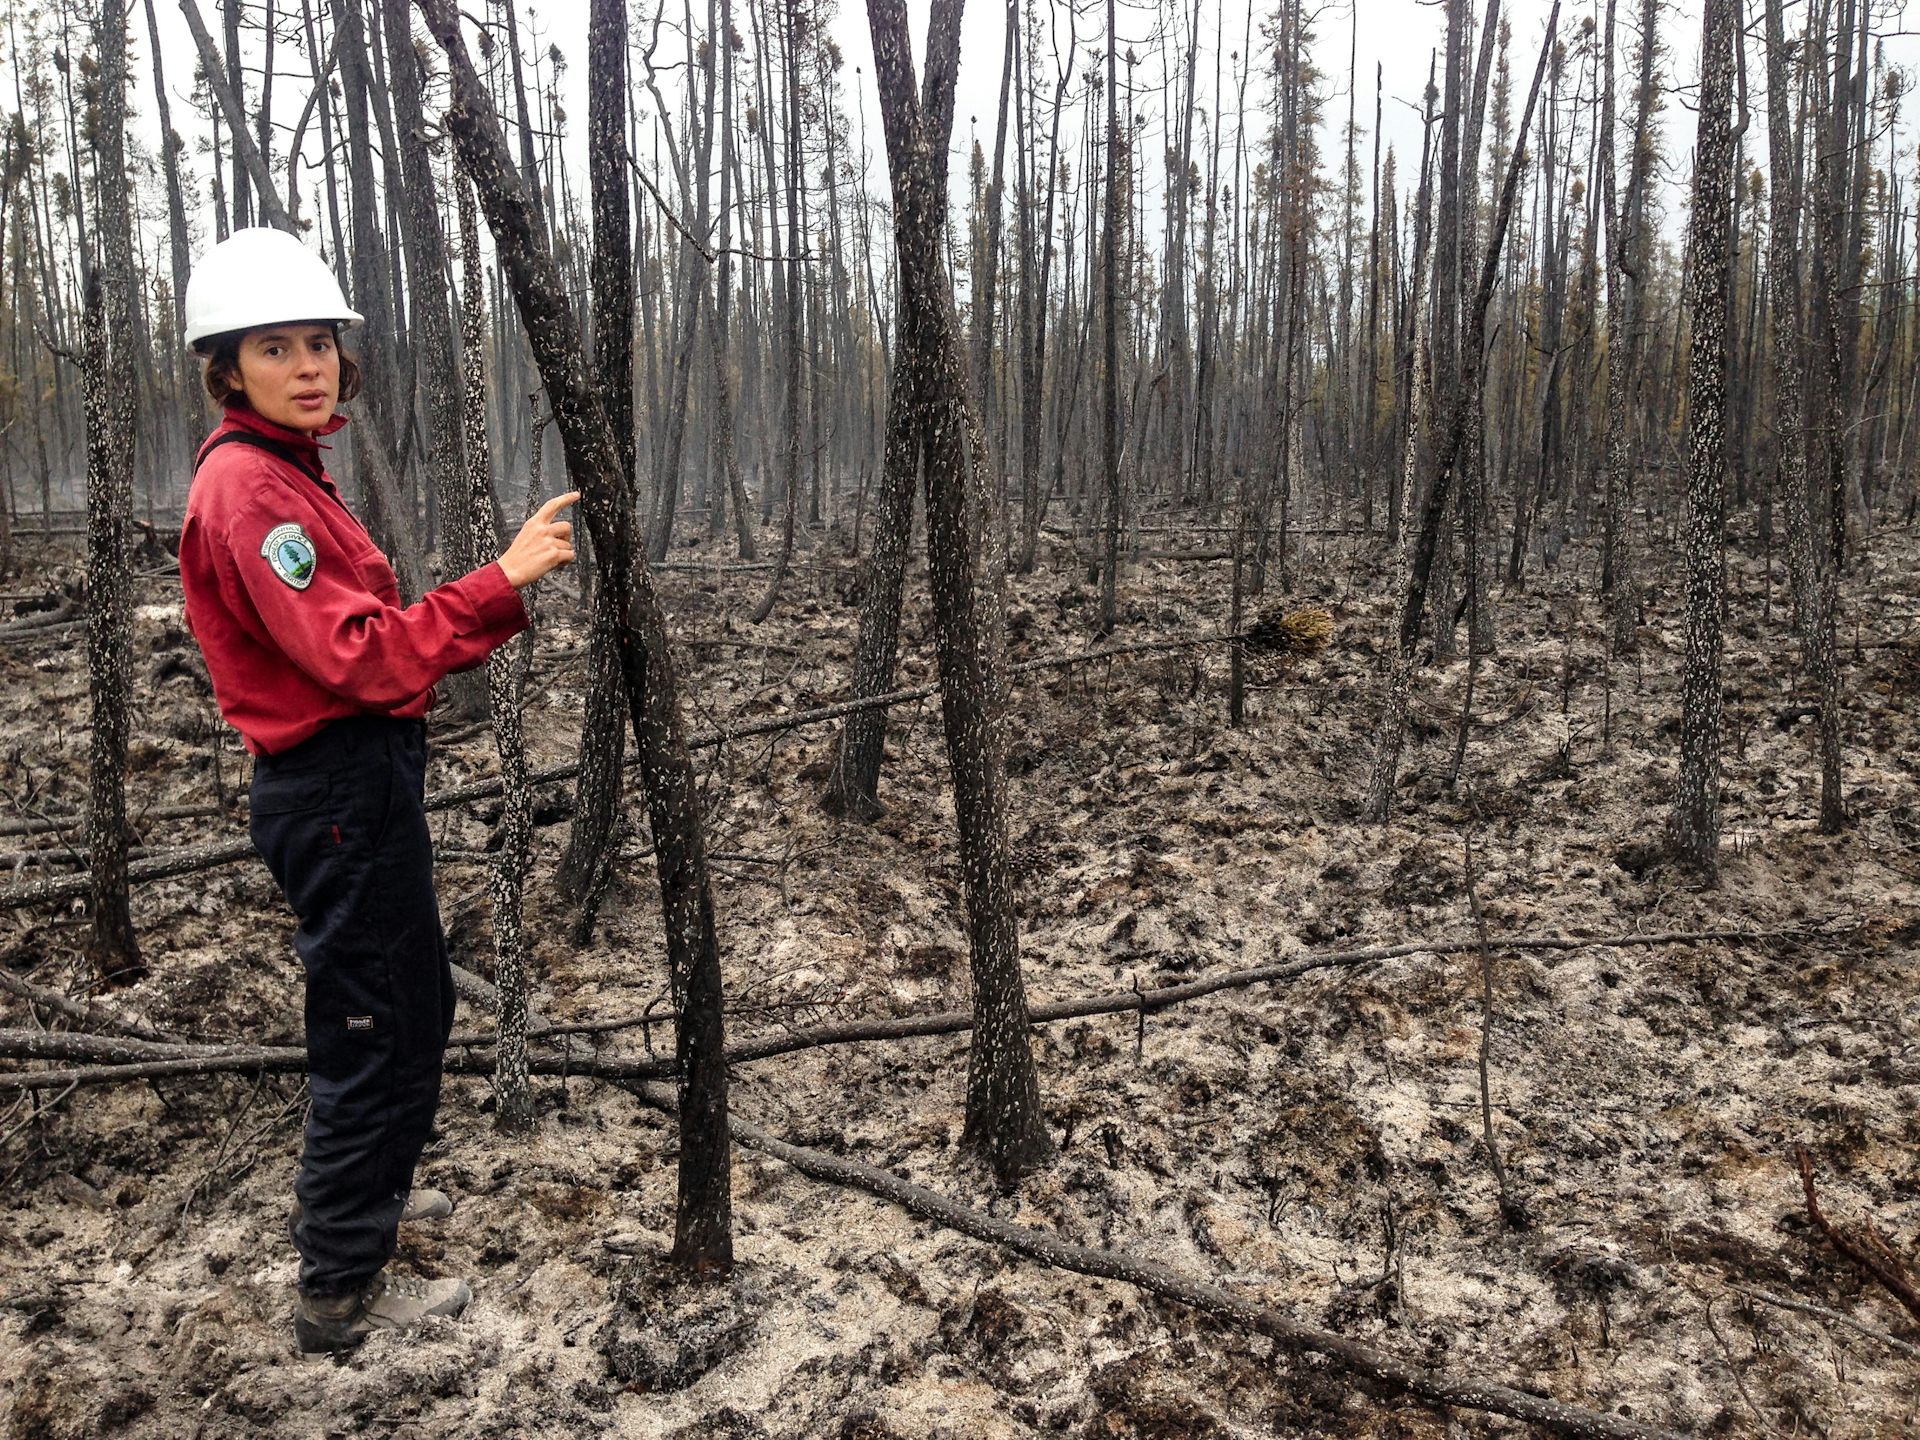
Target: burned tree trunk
x,y
1110,262
1423,544
245,152
854,789
602,732
1813,582
1004,1122
703,1239
108,360
430,273
1694,825
508,882
1626,276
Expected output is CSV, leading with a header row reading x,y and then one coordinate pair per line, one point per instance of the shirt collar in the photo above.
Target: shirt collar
x,y
244,417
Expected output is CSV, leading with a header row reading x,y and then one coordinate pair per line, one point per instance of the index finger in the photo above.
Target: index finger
x,y
557,503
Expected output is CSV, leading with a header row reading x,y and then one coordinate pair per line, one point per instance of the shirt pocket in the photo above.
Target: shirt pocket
x,y
373,571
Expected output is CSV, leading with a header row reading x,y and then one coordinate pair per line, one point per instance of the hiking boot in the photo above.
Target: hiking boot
x,y
328,1324
421,1205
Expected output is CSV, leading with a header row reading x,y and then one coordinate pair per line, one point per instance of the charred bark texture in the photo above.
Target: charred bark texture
x,y
703,1241
1694,825
1004,1123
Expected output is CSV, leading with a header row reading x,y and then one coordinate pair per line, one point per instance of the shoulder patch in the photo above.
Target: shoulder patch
x,y
290,553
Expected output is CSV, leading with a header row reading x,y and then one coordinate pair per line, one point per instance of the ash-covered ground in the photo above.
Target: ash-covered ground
x,y
1315,1145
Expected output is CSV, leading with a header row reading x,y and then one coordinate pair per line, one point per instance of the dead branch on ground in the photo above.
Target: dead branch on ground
x,y
121,1060
1362,1362
1862,1244
1821,1312
1297,633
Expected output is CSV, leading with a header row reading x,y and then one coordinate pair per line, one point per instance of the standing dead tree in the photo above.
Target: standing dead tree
x,y
246,153
1424,543
602,735
703,1240
1004,1122
1626,279
1814,584
1693,828
516,812
855,785
108,364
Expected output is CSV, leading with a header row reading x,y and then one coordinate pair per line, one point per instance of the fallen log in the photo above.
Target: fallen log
x,y
93,1015
73,823
191,859
1436,1386
60,617
468,1052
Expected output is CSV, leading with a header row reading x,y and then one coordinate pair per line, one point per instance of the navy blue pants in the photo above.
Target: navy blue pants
x,y
340,822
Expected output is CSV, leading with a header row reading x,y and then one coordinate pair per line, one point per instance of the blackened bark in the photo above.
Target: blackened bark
x,y
703,1240
1813,583
1110,346
1004,1122
389,513
109,363
246,153
854,788
431,272
509,878
602,732
1694,825
1424,543
790,324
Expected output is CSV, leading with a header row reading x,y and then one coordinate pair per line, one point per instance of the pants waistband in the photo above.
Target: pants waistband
x,y
341,741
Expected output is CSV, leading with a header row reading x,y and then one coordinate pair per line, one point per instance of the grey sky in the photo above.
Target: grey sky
x,y
1399,35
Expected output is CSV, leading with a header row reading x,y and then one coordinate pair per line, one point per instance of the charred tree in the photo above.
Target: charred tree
x,y
703,1241
508,880
108,364
1004,1123
1693,827
436,365
1813,582
854,787
1423,544
602,731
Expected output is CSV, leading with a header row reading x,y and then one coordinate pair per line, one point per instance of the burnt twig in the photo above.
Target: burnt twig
x,y
1865,1246
1511,1209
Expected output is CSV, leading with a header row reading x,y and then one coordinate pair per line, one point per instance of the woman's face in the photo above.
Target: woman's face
x,y
290,374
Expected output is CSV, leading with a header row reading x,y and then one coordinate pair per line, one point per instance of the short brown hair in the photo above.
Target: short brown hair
x,y
221,371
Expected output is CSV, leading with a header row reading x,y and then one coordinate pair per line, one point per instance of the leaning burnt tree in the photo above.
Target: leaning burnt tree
x,y
1693,827
854,789
1424,543
108,364
1004,1123
703,1241
596,811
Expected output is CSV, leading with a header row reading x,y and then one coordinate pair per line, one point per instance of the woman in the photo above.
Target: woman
x,y
327,678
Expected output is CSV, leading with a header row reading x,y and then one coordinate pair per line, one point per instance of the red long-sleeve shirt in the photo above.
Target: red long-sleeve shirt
x,y
295,608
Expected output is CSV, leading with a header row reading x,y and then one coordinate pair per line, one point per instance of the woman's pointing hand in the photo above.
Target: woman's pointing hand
x,y
544,544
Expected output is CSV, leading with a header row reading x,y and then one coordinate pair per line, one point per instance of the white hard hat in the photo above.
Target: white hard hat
x,y
260,277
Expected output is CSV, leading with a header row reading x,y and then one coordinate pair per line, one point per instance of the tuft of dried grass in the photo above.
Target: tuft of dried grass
x,y
1293,632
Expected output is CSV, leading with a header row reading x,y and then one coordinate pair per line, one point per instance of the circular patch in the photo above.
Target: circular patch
x,y
288,550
